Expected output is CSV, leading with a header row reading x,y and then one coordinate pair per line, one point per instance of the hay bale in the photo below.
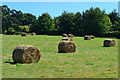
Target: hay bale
x,y
92,37
86,37
26,54
66,46
109,42
33,33
64,35
70,35
23,34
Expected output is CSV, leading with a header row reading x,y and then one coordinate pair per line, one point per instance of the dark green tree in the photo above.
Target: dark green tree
x,y
16,16
66,22
114,19
78,29
95,21
6,19
56,22
28,19
44,24
11,19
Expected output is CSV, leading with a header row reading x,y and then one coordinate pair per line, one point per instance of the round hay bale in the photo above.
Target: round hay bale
x,y
23,34
66,46
109,42
33,33
70,35
64,35
92,37
87,37
113,43
26,54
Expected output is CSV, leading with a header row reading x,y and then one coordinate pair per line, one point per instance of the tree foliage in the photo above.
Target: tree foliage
x,y
12,19
28,19
115,20
66,22
92,21
44,24
95,21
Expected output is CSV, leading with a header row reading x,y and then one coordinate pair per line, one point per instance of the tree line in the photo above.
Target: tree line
x,y
92,21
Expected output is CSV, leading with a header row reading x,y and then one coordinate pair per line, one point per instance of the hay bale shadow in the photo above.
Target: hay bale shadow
x,y
105,46
61,52
58,52
10,62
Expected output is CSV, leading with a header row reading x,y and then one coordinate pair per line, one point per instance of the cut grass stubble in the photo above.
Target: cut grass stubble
x,y
91,60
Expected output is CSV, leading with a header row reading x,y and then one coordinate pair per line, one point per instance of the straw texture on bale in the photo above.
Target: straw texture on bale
x,y
70,35
23,34
87,37
26,54
64,35
92,37
109,42
66,46
33,33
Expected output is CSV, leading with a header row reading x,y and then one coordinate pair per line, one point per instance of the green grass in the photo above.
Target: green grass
x,y
91,60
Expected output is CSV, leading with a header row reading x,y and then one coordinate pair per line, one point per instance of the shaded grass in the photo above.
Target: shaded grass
x,y
91,60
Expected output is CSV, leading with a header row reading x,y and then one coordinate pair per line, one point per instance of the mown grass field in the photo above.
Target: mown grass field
x,y
91,60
